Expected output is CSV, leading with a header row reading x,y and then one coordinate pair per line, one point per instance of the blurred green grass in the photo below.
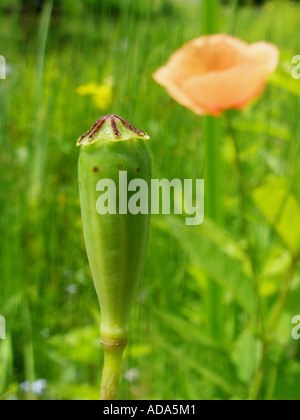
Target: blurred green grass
x,y
47,295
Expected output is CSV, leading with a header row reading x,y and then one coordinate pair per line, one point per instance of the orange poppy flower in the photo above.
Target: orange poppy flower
x,y
218,72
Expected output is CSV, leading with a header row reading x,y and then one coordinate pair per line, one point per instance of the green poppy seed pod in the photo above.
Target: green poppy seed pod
x,y
114,153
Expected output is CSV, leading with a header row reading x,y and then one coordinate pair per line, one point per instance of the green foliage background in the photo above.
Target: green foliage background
x,y
47,295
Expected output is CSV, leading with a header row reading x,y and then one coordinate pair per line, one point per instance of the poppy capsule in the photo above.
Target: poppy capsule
x,y
116,240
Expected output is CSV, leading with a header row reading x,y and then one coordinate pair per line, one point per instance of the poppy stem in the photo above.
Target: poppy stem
x,y
242,186
213,200
213,165
243,189
111,373
234,16
213,204
211,16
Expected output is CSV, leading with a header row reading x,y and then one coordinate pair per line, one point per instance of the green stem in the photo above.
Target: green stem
x,y
213,195
234,16
255,390
213,208
272,379
211,16
243,194
244,227
243,189
113,354
213,200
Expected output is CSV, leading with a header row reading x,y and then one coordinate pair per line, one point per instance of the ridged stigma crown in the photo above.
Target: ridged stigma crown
x,y
111,128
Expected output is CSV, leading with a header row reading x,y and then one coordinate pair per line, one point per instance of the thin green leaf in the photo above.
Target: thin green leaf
x,y
215,367
281,210
219,256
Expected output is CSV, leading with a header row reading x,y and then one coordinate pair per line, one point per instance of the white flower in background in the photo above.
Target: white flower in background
x,y
72,289
132,375
37,387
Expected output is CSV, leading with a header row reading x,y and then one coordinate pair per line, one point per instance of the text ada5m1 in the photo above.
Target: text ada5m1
x,y
172,409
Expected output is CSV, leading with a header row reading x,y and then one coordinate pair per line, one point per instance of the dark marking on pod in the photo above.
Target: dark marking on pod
x,y
95,169
115,127
90,135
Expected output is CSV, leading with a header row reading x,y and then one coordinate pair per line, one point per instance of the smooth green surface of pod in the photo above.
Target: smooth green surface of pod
x,y
116,243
